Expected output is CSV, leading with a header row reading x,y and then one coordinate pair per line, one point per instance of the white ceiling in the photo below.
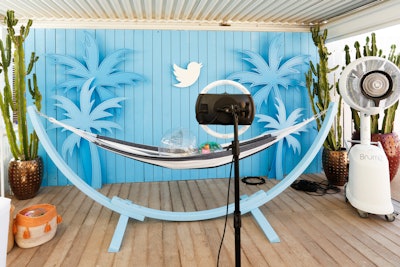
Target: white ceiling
x,y
261,15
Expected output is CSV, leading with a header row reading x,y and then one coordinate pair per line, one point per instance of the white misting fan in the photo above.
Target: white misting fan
x,y
369,85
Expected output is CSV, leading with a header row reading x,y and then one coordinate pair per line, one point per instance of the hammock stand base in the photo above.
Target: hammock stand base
x,y
127,209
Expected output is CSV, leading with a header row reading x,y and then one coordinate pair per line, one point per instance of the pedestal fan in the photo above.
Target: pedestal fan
x,y
369,85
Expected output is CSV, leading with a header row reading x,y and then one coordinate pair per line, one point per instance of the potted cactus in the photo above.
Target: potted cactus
x,y
381,130
25,169
320,92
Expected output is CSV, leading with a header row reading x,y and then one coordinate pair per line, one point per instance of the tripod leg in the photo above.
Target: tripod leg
x,y
237,213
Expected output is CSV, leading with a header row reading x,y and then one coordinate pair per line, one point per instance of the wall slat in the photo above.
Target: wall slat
x,y
154,105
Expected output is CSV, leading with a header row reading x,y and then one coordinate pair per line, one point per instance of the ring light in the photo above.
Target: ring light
x,y
214,108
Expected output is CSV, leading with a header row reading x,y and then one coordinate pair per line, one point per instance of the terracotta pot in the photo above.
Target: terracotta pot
x,y
336,166
25,177
391,145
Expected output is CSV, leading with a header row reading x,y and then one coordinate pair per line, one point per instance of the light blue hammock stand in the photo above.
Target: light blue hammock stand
x,y
127,209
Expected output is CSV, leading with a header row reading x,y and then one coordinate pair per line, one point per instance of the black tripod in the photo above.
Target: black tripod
x,y
228,109
237,221
237,214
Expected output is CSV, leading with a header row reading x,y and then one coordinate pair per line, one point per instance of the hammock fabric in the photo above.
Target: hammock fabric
x,y
153,155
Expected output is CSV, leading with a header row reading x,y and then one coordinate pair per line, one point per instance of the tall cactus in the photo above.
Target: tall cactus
x,y
371,49
319,90
25,147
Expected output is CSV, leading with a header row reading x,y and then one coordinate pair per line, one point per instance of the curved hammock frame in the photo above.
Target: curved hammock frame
x,y
127,209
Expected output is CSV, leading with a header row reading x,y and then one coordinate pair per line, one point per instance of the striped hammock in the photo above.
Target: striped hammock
x,y
154,155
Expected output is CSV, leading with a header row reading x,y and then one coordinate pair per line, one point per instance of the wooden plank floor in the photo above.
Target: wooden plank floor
x,y
314,230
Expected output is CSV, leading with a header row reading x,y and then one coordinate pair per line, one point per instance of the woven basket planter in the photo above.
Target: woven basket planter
x,y
36,225
25,177
336,166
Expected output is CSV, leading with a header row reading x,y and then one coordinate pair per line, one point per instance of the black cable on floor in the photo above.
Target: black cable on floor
x,y
315,188
253,180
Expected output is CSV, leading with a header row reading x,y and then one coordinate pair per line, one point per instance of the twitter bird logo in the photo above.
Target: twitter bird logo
x,y
189,76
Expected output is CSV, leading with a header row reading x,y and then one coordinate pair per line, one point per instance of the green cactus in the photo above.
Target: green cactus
x,y
25,146
319,90
389,113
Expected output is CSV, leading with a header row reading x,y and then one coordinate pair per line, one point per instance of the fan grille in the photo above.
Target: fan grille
x,y
376,85
370,84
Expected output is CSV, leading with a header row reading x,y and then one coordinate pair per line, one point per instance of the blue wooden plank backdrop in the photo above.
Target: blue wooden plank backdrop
x,y
154,105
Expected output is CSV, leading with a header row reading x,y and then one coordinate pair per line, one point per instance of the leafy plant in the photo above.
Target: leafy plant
x,y
88,117
320,90
105,74
96,81
268,76
271,75
371,49
25,147
281,122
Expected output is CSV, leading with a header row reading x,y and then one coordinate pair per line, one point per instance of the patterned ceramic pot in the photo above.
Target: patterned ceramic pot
x,y
336,166
25,177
